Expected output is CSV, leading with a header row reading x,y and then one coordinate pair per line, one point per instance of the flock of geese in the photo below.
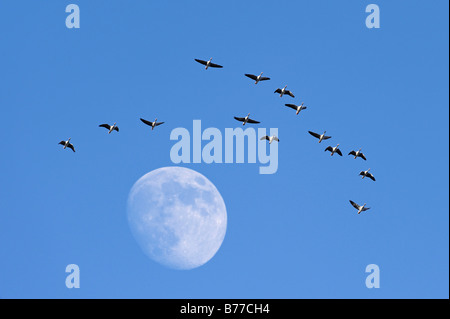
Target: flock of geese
x,y
247,119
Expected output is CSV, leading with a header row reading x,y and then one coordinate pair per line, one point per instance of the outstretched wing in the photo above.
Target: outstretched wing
x,y
292,106
326,137
201,61
240,119
265,138
159,123
252,121
289,93
354,204
263,78
365,208
213,65
277,91
146,122
314,134
251,76
371,177
362,156
329,148
352,153
339,152
71,147
275,138
116,128
62,143
107,126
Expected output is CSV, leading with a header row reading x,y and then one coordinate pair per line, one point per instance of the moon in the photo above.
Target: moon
x,y
177,216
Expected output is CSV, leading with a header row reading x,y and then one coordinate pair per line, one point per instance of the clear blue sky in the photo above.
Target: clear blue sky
x,y
290,235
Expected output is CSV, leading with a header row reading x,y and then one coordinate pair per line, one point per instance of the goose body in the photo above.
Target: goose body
x,y
208,64
320,137
357,154
152,124
270,138
298,108
283,91
110,128
334,150
246,119
257,78
67,144
360,209
367,174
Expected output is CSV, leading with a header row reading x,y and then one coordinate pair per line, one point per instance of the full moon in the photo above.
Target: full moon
x,y
177,216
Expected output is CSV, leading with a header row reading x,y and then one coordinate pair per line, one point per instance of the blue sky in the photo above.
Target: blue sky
x,y
290,235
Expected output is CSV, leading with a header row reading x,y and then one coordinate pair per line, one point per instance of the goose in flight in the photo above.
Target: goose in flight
x,y
246,119
152,124
284,91
270,138
298,108
320,137
67,144
360,209
110,128
257,78
334,150
208,64
357,154
367,174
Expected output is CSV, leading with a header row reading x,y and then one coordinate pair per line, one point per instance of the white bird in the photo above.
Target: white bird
x,y
298,108
246,119
360,209
208,64
152,124
110,128
357,154
257,78
334,150
67,144
367,174
320,137
270,138
284,91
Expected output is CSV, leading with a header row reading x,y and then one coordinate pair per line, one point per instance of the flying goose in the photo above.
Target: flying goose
x,y
357,154
334,150
67,144
320,137
246,119
270,138
298,108
284,91
367,174
110,128
152,124
208,64
257,78
360,209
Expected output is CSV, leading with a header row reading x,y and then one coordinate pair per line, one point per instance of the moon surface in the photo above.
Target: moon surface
x,y
177,216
